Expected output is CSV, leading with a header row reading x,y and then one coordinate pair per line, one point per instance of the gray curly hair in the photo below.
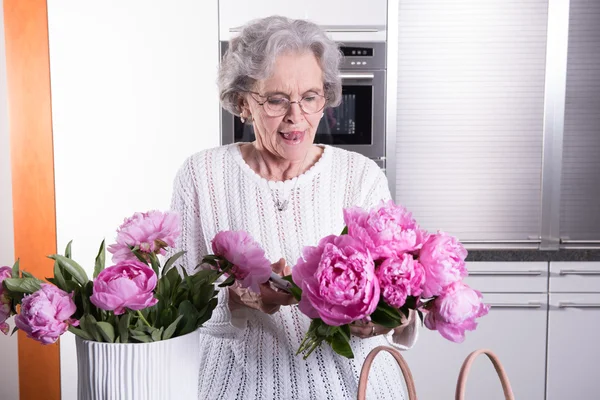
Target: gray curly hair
x,y
251,55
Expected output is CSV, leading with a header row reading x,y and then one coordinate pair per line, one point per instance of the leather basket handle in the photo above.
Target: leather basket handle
x,y
364,373
466,367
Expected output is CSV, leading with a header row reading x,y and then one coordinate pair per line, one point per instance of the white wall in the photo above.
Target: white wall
x,y
9,372
133,94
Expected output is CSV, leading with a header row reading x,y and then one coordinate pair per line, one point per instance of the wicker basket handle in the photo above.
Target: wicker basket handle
x,y
464,372
364,373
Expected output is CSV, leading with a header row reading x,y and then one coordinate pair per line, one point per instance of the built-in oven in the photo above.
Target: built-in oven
x,y
358,123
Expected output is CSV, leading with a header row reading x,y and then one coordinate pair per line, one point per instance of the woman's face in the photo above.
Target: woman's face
x,y
289,136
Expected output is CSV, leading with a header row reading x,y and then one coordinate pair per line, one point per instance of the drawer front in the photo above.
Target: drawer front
x,y
573,346
508,277
579,276
514,329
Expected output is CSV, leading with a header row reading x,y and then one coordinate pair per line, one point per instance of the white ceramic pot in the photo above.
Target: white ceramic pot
x,y
163,370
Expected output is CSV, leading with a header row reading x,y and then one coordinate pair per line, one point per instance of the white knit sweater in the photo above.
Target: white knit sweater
x,y
247,354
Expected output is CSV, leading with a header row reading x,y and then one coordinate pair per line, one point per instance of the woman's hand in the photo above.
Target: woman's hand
x,y
270,298
364,331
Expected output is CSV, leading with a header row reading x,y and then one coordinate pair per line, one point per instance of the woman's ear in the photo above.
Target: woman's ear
x,y
245,114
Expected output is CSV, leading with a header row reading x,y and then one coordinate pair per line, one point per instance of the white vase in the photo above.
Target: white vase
x,y
168,369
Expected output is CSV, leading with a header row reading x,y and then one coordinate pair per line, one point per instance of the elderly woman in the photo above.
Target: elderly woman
x,y
287,192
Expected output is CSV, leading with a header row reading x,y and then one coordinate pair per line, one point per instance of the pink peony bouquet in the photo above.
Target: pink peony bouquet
x,y
382,266
137,299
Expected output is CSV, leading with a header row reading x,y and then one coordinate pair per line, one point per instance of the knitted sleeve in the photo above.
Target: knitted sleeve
x,y
377,191
185,201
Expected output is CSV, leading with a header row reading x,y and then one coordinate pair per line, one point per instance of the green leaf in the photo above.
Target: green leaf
x,y
345,331
411,302
171,261
294,289
15,270
206,312
100,260
72,267
173,277
190,317
82,334
27,275
123,326
381,318
157,334
22,285
107,331
340,345
164,287
168,333
139,255
344,231
68,250
14,330
155,264
420,314
89,325
140,336
60,279
210,262
228,282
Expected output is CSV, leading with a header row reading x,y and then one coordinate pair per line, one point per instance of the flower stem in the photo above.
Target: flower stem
x,y
139,313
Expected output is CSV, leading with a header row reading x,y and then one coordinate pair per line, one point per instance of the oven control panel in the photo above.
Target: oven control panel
x,y
367,55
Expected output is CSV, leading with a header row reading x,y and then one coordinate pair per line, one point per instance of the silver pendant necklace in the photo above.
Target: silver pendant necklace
x,y
283,204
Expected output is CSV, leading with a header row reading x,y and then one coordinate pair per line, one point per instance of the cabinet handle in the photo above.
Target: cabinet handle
x,y
572,304
531,304
579,272
357,76
506,273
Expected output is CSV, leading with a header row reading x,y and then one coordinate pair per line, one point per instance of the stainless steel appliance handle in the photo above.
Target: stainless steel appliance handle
x,y
572,304
357,76
531,304
336,28
579,272
506,273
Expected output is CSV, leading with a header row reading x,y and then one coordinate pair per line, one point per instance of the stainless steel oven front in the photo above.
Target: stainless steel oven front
x,y
358,123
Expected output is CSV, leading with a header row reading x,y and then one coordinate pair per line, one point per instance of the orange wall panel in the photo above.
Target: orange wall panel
x,y
32,162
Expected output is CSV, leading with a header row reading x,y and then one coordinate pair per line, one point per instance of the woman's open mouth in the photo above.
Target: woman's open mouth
x,y
292,137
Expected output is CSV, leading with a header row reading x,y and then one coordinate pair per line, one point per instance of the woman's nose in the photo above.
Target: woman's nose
x,y
294,114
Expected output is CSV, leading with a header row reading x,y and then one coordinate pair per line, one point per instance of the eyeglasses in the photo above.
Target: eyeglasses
x,y
278,105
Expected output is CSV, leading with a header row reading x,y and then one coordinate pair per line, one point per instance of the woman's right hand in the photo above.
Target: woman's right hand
x,y
270,298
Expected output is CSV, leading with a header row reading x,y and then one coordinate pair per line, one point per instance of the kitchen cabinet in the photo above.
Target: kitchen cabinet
x,y
515,329
339,13
573,326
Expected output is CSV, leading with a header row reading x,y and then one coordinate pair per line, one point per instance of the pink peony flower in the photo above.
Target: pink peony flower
x,y
387,230
151,231
129,284
250,267
338,281
46,314
5,272
455,311
399,278
443,258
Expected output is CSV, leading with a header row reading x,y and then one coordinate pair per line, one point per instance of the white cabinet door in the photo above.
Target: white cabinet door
x,y
331,13
574,346
515,329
